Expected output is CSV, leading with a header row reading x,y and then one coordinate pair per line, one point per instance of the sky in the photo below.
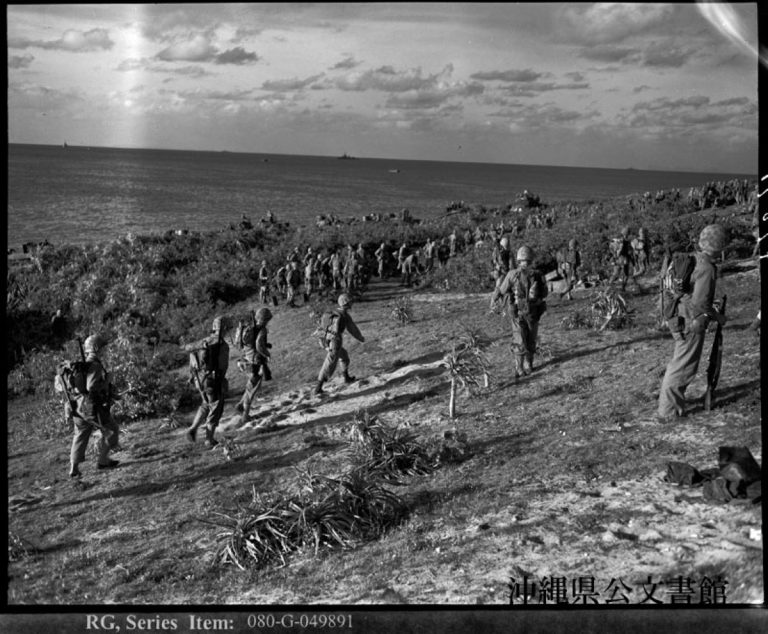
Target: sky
x,y
648,86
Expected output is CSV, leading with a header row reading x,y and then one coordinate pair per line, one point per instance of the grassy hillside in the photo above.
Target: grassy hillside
x,y
562,477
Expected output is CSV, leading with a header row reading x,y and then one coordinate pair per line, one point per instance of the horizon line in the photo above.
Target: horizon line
x,y
376,158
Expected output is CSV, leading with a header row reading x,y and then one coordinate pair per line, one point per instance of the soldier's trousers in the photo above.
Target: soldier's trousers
x,y
86,419
524,333
209,413
681,370
335,354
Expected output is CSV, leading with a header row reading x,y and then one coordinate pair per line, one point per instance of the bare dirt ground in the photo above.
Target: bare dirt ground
x,y
564,480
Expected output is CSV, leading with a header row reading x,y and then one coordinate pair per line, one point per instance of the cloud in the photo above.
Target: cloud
x,y
667,55
533,89
200,49
72,41
433,97
149,66
346,64
237,55
609,53
287,85
20,61
677,117
603,23
532,117
508,75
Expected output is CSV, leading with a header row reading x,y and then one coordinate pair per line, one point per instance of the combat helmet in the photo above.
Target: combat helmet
x,y
525,253
263,315
344,300
504,242
713,239
94,343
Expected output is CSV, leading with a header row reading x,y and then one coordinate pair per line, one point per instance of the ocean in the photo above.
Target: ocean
x,y
83,195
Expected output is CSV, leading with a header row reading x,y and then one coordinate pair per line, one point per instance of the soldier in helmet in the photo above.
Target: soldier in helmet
x,y
333,340
91,410
253,341
263,282
622,260
570,267
526,291
210,374
502,260
696,309
641,249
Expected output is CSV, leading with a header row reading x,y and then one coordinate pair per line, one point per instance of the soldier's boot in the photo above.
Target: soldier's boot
x,y
348,378
518,366
192,430
319,387
209,439
527,362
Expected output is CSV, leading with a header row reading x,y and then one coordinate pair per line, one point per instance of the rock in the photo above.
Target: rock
x,y
649,535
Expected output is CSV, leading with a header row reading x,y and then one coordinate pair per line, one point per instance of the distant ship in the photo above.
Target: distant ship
x,y
394,171
65,145
345,157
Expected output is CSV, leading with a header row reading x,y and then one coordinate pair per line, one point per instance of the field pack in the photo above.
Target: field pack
x,y
327,327
676,281
245,334
71,378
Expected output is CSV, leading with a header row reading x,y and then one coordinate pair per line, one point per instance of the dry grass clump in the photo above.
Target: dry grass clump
x,y
402,310
327,512
335,512
387,452
609,308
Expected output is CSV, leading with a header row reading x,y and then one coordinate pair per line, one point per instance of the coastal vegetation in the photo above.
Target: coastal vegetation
x,y
151,294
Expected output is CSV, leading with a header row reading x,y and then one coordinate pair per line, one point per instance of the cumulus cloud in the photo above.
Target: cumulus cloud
x,y
604,23
667,55
696,112
508,75
287,85
150,66
72,40
533,89
20,61
200,49
237,55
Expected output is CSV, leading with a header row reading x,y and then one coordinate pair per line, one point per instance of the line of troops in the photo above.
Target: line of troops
x,y
519,285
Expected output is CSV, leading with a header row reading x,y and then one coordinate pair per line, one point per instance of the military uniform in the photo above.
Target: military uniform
x,y
526,290
92,411
334,344
696,309
256,355
210,376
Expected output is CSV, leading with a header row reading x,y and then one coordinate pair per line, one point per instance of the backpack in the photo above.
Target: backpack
x,y
245,334
71,378
327,327
676,281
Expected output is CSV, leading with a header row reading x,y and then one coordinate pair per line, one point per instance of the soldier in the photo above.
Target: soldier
x,y
381,257
641,249
263,282
502,260
281,282
696,309
91,411
253,342
209,374
309,278
293,279
340,321
526,291
622,260
410,267
570,267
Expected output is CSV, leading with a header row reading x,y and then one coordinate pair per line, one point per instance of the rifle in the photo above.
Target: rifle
x,y
196,377
715,361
